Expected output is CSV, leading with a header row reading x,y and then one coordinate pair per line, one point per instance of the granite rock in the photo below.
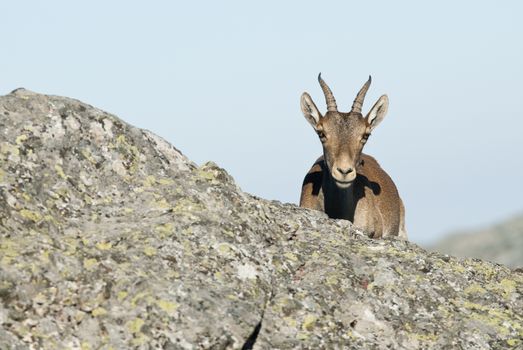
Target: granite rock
x,y
110,238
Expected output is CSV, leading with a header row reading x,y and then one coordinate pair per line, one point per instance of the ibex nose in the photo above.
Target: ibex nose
x,y
345,171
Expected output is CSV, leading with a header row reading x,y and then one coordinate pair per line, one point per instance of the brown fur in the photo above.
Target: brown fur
x,y
346,183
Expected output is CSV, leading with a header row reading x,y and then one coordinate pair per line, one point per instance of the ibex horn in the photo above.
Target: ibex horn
x,y
358,102
329,97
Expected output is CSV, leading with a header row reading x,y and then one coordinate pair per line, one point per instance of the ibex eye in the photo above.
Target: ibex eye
x,y
365,137
321,134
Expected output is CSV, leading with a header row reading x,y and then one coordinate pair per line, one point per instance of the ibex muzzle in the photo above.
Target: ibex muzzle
x,y
346,183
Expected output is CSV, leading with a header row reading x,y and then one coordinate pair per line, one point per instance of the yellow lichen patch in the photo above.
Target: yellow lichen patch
x,y
302,336
130,152
122,295
87,155
187,206
160,204
444,311
316,234
331,280
44,256
228,233
502,321
40,298
290,256
79,316
149,251
309,322
137,297
5,285
399,270
475,289
420,278
35,269
50,218
82,188
21,330
54,195
425,337
505,287
167,306
104,245
89,264
171,274
450,267
138,189
85,346
187,231
135,325
6,148
513,342
99,311
164,229
350,334
140,339
20,139
60,171
232,297
290,321
218,275
121,139
483,268
207,175
30,215
9,251
475,306
224,248
66,273
165,181
149,181
302,295
128,210
494,322
508,286
29,127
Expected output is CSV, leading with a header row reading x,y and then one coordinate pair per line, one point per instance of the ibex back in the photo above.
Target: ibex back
x,y
346,183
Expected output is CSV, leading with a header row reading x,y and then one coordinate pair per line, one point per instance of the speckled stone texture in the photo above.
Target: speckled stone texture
x,y
110,238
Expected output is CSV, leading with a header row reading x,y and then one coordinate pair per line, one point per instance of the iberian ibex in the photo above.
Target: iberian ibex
x,y
346,183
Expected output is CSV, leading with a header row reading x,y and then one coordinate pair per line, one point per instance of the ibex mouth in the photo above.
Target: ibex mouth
x,y
344,181
343,184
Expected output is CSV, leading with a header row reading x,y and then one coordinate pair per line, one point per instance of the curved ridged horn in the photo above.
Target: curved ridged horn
x,y
329,97
358,102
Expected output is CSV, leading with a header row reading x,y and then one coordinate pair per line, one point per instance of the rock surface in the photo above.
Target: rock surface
x,y
110,239
501,243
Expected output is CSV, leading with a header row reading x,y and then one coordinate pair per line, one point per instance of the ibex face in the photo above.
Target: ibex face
x,y
343,135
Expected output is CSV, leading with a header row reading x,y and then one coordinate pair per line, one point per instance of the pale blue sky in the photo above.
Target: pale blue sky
x,y
221,80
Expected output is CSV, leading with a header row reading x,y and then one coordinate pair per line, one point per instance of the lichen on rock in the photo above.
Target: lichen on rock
x,y
111,238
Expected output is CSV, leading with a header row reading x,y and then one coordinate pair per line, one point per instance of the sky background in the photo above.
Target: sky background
x,y
221,80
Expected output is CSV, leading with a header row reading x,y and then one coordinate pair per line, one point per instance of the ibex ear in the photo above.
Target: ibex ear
x,y
309,109
378,112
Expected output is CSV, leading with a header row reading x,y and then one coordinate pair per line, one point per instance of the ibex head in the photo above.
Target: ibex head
x,y
343,135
